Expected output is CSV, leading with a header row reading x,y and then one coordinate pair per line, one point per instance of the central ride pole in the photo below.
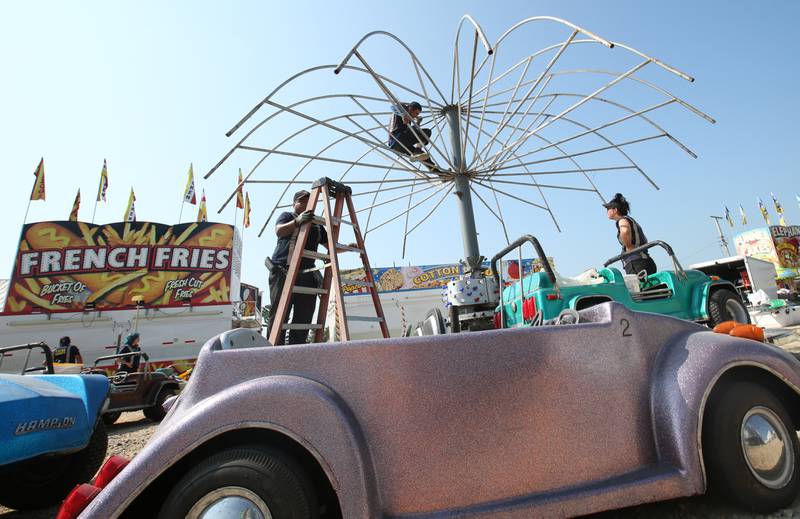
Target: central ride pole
x,y
469,234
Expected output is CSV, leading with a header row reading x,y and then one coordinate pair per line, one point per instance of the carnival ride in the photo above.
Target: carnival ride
x,y
548,123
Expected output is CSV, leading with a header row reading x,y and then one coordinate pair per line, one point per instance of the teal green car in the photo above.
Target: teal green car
x,y
685,294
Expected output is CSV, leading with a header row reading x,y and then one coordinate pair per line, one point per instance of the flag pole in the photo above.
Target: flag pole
x,y
94,210
180,215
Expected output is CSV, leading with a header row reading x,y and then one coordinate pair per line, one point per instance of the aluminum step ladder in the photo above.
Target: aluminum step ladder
x,y
322,191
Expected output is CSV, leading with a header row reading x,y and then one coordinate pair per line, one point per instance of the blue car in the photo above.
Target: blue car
x,y
51,434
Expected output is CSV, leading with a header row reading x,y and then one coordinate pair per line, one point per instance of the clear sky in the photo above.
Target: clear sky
x,y
152,86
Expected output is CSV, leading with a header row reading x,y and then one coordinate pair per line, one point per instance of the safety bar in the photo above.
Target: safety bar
x,y
48,355
122,355
518,242
647,246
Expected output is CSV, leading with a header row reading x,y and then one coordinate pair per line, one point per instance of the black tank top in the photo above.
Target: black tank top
x,y
638,240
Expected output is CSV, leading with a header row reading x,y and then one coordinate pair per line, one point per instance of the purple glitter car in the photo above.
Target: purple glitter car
x,y
620,409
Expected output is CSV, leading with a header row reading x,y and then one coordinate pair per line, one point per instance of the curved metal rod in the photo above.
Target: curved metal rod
x,y
574,106
478,30
533,179
347,57
296,175
395,217
277,113
639,114
302,73
284,141
433,209
499,218
574,27
644,82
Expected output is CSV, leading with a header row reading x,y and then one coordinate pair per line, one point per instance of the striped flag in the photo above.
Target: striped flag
x,y
764,213
37,193
240,192
202,214
246,210
728,216
744,216
73,215
189,194
101,189
130,212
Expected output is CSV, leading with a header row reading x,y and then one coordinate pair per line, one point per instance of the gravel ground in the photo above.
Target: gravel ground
x,y
126,437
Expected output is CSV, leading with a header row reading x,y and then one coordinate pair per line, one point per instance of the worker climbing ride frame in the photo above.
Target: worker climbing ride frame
x,y
323,190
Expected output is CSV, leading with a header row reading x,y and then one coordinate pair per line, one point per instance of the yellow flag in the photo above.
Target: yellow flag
x,y
73,215
101,189
38,185
202,214
189,193
130,212
246,210
239,192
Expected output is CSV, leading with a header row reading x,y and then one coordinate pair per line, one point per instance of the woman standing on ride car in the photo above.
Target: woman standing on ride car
x,y
630,235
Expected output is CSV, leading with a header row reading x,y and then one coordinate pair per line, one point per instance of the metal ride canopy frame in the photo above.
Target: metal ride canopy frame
x,y
511,128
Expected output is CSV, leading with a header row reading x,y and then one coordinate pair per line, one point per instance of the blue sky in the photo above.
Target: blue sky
x,y
153,86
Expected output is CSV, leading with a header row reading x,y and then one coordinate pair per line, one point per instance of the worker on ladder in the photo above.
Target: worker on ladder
x,y
407,137
287,228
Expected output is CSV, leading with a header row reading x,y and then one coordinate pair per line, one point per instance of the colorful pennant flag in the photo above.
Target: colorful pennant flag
x,y
189,193
778,209
728,216
240,192
130,212
744,216
73,215
797,197
202,214
38,185
246,210
101,189
764,213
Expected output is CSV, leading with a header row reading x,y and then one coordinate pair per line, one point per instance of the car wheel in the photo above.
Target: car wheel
x,y
110,418
247,481
157,412
47,481
725,305
752,453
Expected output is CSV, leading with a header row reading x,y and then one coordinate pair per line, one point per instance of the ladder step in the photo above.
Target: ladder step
x,y
301,327
341,247
309,290
316,255
365,318
357,283
335,221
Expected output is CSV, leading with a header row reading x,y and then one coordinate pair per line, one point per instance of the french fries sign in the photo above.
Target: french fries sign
x,y
72,266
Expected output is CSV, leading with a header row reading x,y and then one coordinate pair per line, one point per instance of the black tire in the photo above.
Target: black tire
x,y
719,308
46,481
729,474
269,474
110,418
157,412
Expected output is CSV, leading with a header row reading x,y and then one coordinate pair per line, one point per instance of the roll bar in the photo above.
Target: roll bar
x,y
656,243
518,242
48,355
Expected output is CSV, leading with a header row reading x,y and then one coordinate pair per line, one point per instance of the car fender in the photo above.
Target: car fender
x,y
685,372
302,409
701,293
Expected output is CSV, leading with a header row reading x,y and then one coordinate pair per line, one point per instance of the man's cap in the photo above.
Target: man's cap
x,y
613,204
64,340
300,194
415,105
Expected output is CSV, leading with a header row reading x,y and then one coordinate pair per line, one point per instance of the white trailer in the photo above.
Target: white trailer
x,y
747,274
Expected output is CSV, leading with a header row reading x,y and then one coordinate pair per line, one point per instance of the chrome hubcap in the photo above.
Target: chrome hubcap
x,y
227,502
767,447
